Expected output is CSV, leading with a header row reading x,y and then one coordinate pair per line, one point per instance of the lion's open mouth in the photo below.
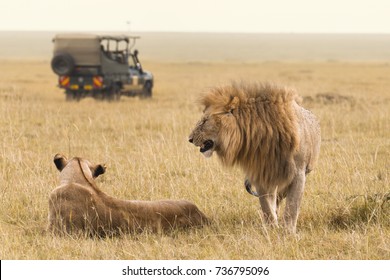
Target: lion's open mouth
x,y
207,148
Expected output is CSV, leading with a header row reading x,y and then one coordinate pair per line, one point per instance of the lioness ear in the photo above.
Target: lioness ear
x,y
233,104
60,161
99,170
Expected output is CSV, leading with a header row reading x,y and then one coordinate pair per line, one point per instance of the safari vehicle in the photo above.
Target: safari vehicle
x,y
103,67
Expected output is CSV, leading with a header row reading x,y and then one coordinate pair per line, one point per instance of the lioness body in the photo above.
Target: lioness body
x,y
78,204
262,129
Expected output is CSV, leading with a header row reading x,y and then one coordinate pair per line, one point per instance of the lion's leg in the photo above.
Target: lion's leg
x,y
293,201
278,202
269,206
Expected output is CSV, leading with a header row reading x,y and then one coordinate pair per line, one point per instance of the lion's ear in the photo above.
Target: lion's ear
x,y
99,170
233,104
60,161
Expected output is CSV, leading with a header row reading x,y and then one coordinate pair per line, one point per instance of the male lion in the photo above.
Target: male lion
x,y
262,129
78,205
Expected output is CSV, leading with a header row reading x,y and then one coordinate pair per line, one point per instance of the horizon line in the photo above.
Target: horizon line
x,y
200,32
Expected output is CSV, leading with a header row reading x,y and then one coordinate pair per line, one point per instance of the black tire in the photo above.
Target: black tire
x,y
114,93
99,95
62,64
71,96
147,90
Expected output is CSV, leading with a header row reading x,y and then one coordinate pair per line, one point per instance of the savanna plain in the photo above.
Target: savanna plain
x,y
144,143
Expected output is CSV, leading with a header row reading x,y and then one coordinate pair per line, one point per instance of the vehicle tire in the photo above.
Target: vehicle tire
x,y
62,64
71,96
99,95
147,90
114,93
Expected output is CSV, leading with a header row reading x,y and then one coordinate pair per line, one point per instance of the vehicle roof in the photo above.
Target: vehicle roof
x,y
86,49
85,36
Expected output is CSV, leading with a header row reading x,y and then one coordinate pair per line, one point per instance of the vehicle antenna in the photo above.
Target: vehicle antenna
x,y
128,23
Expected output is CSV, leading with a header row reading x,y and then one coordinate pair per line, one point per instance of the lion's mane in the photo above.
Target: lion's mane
x,y
264,137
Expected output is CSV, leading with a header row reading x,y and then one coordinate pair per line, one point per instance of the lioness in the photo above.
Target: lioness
x,y
77,204
262,129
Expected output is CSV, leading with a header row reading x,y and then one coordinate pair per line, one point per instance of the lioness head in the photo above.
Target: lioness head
x,y
76,169
216,128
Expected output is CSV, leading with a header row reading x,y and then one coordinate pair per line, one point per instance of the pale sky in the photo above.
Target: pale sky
x,y
280,16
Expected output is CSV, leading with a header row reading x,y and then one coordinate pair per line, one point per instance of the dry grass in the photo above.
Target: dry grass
x,y
345,211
